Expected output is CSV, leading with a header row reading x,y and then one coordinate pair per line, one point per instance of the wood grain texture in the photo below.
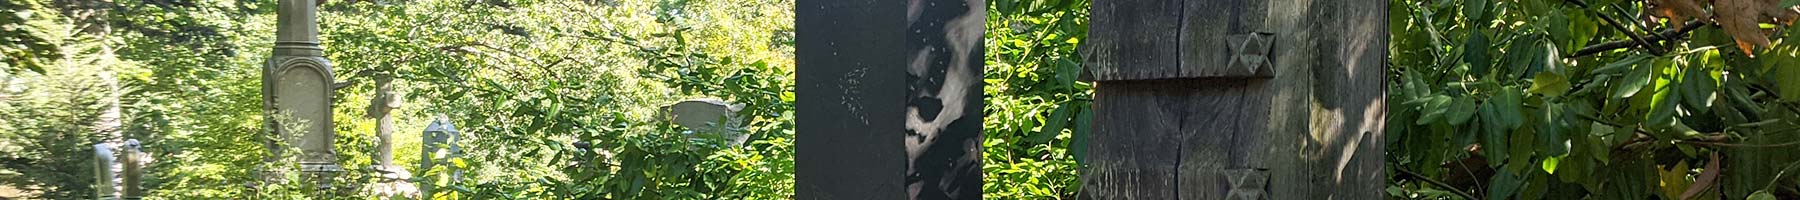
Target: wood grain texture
x,y
1165,39
1133,155
1223,131
1198,128
1205,25
1134,39
1315,128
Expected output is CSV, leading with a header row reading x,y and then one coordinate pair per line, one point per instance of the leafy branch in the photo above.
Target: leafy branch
x,y
1667,34
1453,189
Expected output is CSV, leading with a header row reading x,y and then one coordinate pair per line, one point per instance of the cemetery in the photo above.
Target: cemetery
x,y
903,99
674,99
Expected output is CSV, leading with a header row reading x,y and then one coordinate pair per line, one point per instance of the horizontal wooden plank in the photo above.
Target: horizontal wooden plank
x,y
1207,29
1134,39
1133,155
1164,39
1223,130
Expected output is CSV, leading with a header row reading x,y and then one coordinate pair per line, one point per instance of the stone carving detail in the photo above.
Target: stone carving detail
x,y
1250,54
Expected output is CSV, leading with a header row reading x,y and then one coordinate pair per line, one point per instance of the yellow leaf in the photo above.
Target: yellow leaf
x,y
1674,180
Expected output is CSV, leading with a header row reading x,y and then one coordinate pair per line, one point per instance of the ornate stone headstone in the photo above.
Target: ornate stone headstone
x,y
440,146
297,93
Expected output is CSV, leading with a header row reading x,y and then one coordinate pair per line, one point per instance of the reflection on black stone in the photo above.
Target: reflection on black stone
x,y
944,88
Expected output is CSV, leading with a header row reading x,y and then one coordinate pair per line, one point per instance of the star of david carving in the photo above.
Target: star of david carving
x,y
1250,54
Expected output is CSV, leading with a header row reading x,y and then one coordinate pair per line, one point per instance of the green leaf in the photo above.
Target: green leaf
x,y
1544,58
1066,71
1788,86
1053,125
1698,87
1550,163
1662,109
1574,167
1503,185
1434,109
1537,185
1518,56
1006,7
1549,84
1635,80
1559,27
1493,141
1582,26
1507,110
1461,109
1522,145
1761,195
1550,128
1083,126
1475,10
1475,49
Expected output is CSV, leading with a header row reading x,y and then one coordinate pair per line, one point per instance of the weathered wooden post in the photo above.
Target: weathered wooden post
x,y
1236,99
105,187
297,93
439,146
888,99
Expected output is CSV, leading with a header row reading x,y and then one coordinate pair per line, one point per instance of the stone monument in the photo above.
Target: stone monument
x,y
708,118
439,143
888,99
297,93
104,186
133,160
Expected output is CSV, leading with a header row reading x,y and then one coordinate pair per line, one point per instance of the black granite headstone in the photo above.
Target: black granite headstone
x,y
889,99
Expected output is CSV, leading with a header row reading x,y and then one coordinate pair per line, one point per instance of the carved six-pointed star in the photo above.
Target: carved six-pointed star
x,y
1250,54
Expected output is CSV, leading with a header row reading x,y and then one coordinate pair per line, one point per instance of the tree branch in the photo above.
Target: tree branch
x,y
1457,191
1667,34
1628,33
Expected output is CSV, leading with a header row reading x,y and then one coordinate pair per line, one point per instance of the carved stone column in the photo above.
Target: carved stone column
x,y
297,93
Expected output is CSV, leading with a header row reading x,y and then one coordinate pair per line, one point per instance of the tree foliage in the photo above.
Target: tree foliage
x,y
1570,99
1037,111
556,99
525,80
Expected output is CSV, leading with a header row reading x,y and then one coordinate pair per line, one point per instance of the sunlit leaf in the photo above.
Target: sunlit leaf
x,y
1549,84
